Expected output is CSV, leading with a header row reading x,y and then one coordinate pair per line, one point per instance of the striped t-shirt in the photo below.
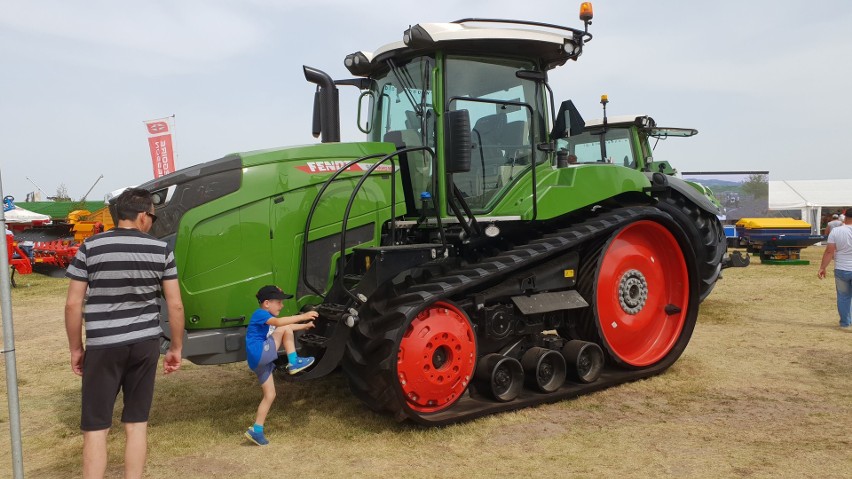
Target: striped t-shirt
x,y
124,269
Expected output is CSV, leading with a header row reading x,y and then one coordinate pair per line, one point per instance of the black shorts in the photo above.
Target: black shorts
x,y
130,368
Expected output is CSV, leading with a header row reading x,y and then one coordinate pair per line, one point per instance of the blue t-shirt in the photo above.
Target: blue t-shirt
x,y
256,335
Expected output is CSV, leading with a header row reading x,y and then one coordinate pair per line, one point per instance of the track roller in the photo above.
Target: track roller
x,y
500,377
544,368
585,360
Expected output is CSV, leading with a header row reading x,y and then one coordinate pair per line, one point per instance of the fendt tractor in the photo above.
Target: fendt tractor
x,y
459,263
626,140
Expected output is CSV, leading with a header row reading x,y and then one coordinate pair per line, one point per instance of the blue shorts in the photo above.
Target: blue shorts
x,y
267,360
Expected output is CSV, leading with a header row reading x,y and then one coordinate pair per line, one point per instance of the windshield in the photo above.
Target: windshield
x,y
587,147
404,101
404,115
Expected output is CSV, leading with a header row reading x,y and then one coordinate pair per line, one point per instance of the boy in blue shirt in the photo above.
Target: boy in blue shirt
x,y
264,336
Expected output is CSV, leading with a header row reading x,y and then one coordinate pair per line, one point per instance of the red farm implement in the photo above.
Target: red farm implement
x,y
18,260
57,253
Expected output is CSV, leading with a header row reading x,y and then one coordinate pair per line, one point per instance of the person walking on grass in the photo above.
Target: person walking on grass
x,y
840,249
264,335
116,279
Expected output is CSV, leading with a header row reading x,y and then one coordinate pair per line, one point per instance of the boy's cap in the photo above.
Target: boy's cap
x,y
835,216
271,292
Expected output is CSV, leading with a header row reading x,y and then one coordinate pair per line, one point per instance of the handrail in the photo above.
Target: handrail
x,y
342,258
303,266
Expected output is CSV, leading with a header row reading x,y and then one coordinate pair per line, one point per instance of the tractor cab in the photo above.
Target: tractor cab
x,y
626,140
493,72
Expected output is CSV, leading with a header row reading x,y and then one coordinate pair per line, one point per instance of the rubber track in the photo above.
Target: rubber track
x,y
369,362
708,238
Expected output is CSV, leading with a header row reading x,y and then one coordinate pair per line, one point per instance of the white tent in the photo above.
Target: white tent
x,y
18,215
811,197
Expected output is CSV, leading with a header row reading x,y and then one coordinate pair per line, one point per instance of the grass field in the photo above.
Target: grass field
x,y
763,390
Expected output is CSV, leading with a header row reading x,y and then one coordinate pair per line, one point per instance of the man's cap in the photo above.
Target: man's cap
x,y
835,216
271,292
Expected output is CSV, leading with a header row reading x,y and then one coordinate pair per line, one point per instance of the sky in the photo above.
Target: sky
x,y
765,82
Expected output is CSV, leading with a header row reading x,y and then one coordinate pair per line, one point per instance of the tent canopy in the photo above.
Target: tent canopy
x,y
21,216
811,197
797,194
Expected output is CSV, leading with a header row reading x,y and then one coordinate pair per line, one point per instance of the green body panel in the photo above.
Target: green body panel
x,y
229,247
226,249
562,190
707,192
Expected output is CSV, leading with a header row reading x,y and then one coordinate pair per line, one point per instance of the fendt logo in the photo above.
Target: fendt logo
x,y
158,127
314,167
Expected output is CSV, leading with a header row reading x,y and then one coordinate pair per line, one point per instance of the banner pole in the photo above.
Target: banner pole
x,y
9,354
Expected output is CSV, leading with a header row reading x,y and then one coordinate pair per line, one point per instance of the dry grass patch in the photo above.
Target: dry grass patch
x,y
763,390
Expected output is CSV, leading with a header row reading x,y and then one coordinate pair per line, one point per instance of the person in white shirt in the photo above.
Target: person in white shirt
x,y
835,222
840,250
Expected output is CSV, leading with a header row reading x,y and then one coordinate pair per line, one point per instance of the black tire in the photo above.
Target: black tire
x,y
705,233
366,349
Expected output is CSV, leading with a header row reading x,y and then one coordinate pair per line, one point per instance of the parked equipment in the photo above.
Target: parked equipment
x,y
776,240
460,264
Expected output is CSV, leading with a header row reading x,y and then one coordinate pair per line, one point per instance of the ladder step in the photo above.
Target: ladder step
x,y
313,340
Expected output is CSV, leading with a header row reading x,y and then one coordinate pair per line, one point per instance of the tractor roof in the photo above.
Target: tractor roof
x,y
620,120
551,45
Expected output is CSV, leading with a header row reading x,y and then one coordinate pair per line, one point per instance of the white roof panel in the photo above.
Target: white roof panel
x,y
795,194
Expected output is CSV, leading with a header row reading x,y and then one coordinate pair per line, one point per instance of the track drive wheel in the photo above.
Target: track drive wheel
x,y
412,367
436,358
643,292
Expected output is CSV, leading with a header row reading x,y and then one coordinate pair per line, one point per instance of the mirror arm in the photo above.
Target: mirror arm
x,y
547,147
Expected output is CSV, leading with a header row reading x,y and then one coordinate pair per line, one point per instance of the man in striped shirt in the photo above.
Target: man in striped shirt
x,y
116,279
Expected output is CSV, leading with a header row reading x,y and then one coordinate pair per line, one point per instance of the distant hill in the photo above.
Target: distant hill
x,y
712,182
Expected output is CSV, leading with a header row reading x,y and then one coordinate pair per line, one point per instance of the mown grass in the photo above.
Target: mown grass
x,y
763,390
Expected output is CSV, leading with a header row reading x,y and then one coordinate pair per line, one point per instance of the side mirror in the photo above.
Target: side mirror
x,y
316,123
328,105
457,143
568,120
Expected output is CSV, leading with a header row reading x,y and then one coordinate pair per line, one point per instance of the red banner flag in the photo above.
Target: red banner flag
x,y
160,142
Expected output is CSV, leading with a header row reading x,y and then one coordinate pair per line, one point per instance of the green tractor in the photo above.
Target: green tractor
x,y
627,141
459,266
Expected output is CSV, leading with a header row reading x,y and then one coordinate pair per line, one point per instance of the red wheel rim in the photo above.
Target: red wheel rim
x,y
436,358
642,293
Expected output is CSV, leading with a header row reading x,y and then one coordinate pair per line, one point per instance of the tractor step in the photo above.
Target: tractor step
x,y
313,340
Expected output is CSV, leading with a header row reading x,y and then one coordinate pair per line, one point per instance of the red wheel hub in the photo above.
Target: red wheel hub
x,y
642,293
436,358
